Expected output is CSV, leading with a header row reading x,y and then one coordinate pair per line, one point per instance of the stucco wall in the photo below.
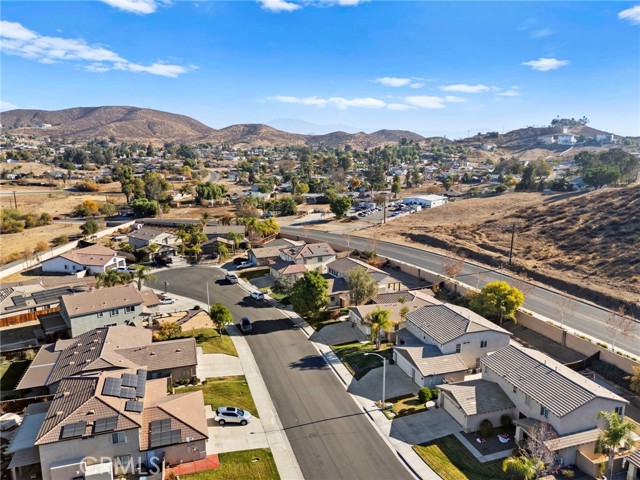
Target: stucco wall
x,y
80,325
469,352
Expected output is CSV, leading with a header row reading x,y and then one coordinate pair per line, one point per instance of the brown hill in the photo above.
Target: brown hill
x,y
589,240
132,124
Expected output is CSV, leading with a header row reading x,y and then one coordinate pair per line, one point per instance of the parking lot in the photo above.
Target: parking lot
x,y
376,214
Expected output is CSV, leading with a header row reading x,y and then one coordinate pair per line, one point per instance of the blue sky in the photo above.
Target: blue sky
x,y
312,66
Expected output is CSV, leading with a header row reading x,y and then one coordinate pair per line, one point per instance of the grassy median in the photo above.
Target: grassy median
x,y
226,392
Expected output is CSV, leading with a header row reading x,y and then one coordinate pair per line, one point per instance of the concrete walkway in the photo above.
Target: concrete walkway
x,y
339,333
397,385
211,365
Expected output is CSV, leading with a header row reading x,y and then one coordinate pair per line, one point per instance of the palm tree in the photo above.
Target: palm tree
x,y
618,431
204,218
526,467
111,278
142,274
380,320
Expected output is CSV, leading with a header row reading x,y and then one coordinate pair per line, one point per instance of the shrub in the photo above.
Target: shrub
x,y
61,240
486,428
29,354
505,421
88,186
568,473
424,395
434,393
194,381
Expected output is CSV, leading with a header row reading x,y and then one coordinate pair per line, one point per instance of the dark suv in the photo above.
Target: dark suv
x,y
245,325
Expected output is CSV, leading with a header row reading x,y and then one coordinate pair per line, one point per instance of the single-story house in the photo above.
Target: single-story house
x,y
426,201
146,236
95,259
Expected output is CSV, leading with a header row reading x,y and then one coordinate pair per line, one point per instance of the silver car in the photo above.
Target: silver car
x,y
232,415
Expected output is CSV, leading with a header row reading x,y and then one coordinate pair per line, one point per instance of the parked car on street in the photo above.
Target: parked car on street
x,y
231,278
167,300
245,325
232,415
257,295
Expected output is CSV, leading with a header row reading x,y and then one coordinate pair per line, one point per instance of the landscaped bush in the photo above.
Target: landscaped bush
x,y
424,395
194,381
568,473
486,428
434,393
505,421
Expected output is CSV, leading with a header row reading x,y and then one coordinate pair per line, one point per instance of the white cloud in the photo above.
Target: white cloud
x,y
454,99
279,5
339,102
393,81
399,106
20,41
4,106
141,7
464,88
543,32
512,92
417,85
425,101
631,14
546,64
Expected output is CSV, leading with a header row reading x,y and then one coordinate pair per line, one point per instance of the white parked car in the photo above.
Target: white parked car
x,y
232,415
231,278
126,270
244,265
257,295
167,300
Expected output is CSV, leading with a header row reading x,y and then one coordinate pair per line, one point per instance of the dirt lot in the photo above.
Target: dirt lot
x,y
28,239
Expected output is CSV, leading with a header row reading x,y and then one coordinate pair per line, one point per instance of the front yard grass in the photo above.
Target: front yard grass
x,y
226,392
211,341
249,275
452,461
240,466
352,356
11,372
404,405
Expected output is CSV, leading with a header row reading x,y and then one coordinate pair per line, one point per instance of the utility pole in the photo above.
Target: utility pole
x,y
15,199
513,234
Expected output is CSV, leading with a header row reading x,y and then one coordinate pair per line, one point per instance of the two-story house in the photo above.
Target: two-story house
x,y
110,348
84,311
110,423
441,342
94,259
531,388
146,236
295,260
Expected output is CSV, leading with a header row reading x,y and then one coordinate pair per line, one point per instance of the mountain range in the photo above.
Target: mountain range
x,y
142,125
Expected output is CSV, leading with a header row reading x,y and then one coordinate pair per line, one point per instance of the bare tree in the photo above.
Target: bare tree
x,y
541,441
619,325
565,306
373,241
481,276
452,266
523,284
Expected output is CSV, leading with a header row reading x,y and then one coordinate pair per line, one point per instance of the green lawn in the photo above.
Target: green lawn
x,y
247,464
251,274
212,342
452,461
405,405
352,355
11,372
226,392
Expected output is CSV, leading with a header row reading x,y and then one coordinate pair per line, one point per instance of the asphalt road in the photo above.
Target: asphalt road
x,y
585,317
330,435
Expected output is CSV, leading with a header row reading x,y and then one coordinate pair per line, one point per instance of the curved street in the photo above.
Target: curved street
x,y
329,433
586,318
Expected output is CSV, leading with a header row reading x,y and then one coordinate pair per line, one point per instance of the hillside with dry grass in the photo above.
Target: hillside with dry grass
x,y
591,239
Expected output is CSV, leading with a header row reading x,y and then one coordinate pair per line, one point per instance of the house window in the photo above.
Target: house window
x,y
618,410
128,309
544,412
477,363
100,314
118,437
115,311
121,464
483,344
527,400
457,348
66,267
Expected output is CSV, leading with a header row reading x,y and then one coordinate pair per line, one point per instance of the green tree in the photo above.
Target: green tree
x,y
220,316
111,278
309,295
302,188
107,209
396,185
524,466
89,227
287,205
339,206
618,431
602,175
145,208
447,182
169,330
634,380
497,300
142,274
362,285
380,320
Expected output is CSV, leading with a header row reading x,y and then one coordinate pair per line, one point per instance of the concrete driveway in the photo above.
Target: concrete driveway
x,y
370,386
339,333
424,426
211,365
232,438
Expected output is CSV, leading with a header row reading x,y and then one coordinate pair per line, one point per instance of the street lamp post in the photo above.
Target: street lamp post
x,y
384,376
208,302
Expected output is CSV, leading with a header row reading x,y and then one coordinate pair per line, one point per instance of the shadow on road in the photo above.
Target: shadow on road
x,y
324,420
310,362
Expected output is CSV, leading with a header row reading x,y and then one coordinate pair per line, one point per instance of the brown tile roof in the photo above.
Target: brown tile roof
x,y
429,361
343,266
102,299
147,233
94,255
573,440
363,311
150,298
40,368
477,397
548,382
288,268
310,250
409,295
163,355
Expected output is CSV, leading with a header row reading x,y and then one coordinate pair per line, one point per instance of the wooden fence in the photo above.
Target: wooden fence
x,y
25,317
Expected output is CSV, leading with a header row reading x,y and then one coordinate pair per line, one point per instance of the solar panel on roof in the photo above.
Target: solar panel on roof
x,y
105,424
129,380
133,406
112,387
74,430
19,301
142,383
127,392
51,295
158,426
165,438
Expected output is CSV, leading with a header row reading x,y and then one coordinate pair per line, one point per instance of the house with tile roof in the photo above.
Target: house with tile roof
x,y
533,389
110,423
146,236
341,268
94,259
84,311
314,256
109,348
